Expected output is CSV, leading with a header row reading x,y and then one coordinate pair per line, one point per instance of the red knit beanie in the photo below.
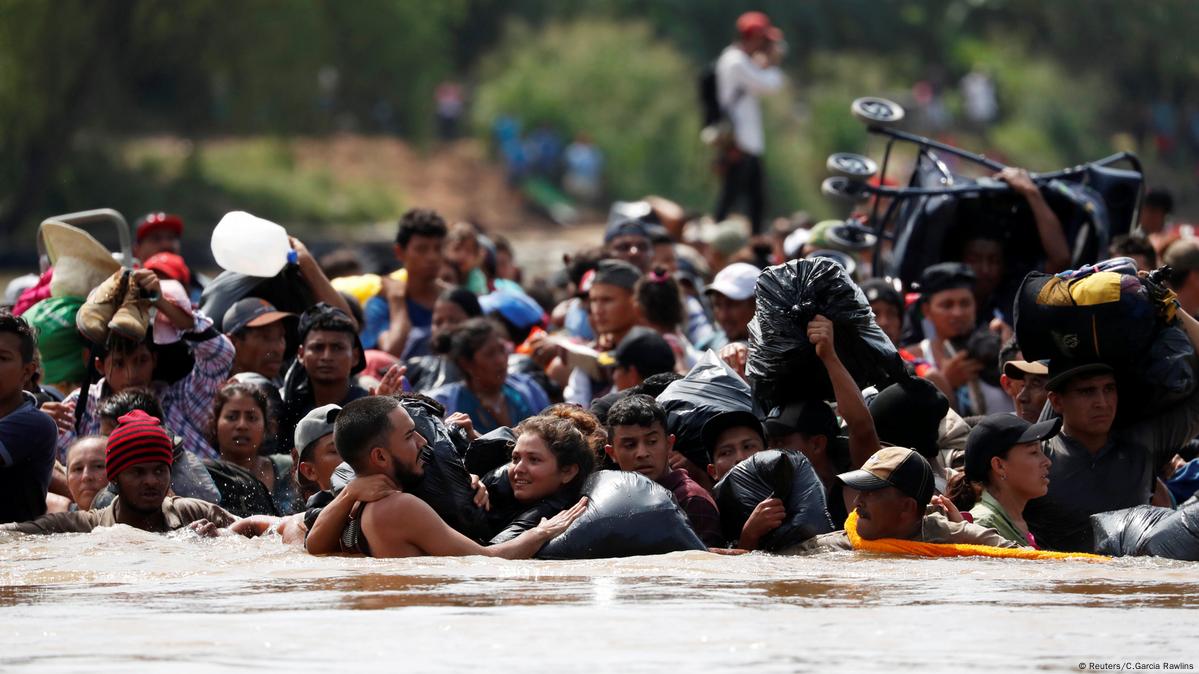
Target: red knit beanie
x,y
138,438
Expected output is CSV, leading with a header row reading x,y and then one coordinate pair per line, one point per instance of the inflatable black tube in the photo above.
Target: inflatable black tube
x,y
628,515
786,475
490,451
710,388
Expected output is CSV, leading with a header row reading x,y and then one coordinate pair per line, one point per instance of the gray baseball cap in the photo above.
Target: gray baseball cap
x,y
315,425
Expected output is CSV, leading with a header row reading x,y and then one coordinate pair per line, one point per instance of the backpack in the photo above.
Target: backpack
x,y
709,100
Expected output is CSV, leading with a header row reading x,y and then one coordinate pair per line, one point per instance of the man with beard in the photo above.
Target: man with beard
x,y
378,438
138,461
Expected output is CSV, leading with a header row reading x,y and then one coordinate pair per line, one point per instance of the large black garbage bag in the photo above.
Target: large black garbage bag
x,y
710,388
1177,535
629,514
1125,532
786,475
489,451
287,291
445,485
782,362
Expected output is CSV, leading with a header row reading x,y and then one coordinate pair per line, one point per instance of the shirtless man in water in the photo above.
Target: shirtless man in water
x,y
378,438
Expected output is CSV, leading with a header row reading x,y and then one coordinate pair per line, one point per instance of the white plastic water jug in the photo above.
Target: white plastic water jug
x,y
249,245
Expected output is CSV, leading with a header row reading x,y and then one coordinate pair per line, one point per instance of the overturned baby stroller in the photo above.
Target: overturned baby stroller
x,y
925,221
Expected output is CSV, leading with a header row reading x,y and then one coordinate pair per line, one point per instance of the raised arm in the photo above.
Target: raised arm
x,y
863,439
321,288
1049,228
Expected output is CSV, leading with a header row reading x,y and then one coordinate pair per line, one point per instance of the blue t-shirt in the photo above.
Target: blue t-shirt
x,y
27,439
378,320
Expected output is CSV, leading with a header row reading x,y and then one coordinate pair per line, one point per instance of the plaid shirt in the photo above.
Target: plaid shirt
x,y
187,403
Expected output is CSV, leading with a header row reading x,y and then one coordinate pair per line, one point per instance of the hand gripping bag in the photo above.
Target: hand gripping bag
x,y
786,475
782,363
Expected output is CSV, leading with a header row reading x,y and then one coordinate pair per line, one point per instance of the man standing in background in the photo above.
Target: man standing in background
x,y
745,70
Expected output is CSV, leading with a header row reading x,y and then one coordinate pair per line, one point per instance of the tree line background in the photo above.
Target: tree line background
x,y
80,81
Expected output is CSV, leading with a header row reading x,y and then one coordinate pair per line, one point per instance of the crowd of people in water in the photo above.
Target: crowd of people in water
x,y
448,405
265,422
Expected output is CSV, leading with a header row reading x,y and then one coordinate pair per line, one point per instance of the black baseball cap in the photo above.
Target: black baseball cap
x,y
996,434
810,417
1061,371
897,467
644,349
879,290
254,312
723,421
945,276
909,414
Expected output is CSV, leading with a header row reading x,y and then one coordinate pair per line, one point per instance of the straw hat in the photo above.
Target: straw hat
x,y
80,261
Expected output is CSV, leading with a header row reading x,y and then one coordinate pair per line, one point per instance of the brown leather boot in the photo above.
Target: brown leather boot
x,y
96,313
132,317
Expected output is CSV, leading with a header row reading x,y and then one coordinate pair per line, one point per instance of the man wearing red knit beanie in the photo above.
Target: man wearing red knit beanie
x,y
138,462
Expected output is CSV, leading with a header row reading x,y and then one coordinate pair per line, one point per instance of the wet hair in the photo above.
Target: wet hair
x,y
654,385
230,391
467,339
119,404
18,326
1159,198
635,410
566,441
1127,245
419,222
659,296
340,262
587,423
467,301
361,425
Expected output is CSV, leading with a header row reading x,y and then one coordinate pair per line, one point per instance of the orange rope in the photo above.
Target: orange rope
x,y
896,546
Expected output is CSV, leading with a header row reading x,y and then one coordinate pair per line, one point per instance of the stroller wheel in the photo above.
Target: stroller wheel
x,y
852,236
840,188
872,110
853,166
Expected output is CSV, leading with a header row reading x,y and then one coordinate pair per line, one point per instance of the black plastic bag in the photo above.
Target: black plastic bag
x,y
710,388
782,362
1176,536
628,515
489,451
785,475
1121,533
445,485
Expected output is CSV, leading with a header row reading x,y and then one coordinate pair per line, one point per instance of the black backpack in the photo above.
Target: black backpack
x,y
709,101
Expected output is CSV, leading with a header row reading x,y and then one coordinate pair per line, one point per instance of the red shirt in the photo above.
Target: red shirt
x,y
698,504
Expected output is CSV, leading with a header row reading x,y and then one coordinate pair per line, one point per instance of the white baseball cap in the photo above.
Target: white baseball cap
x,y
736,281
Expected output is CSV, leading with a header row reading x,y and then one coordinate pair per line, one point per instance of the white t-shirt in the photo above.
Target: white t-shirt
x,y
739,82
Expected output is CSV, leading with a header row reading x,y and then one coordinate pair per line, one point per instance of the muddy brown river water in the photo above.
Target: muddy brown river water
x,y
121,600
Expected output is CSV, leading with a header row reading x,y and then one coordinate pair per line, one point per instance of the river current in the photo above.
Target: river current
x,y
120,600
